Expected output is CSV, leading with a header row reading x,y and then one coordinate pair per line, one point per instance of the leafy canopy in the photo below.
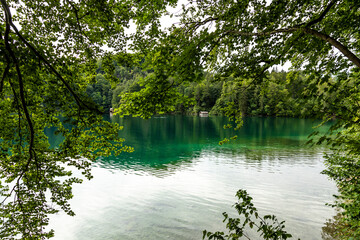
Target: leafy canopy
x,y
48,54
245,39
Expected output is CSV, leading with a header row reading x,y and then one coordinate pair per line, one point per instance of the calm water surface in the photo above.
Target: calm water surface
x,y
179,180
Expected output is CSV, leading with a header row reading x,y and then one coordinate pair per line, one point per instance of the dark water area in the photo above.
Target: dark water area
x,y
179,180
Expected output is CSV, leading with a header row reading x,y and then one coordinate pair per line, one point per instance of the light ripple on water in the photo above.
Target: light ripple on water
x,y
133,197
171,208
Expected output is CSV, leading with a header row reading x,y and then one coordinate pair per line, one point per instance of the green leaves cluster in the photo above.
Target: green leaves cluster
x,y
341,100
267,226
245,39
48,55
345,171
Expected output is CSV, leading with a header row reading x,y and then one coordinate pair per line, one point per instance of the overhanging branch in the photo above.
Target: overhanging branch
x,y
322,15
21,89
342,48
78,100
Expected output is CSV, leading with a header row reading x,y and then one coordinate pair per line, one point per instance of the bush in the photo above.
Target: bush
x,y
268,226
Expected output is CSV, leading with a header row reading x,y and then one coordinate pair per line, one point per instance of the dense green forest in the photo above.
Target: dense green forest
x,y
280,94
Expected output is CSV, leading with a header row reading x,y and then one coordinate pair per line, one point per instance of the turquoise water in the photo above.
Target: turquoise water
x,y
179,180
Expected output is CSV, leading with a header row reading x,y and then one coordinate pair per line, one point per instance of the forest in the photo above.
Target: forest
x,y
280,94
67,62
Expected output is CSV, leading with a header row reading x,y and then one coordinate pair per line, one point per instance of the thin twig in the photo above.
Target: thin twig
x,y
76,11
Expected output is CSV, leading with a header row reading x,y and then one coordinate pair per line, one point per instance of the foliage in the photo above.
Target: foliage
x,y
275,96
48,53
248,36
243,40
267,226
338,98
345,171
343,163
336,228
278,95
100,92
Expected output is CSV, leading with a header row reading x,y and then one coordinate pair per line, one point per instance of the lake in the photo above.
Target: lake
x,y
179,180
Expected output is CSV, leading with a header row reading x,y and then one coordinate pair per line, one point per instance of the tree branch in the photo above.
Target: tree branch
x,y
6,71
260,34
47,63
21,89
196,25
343,49
322,15
76,11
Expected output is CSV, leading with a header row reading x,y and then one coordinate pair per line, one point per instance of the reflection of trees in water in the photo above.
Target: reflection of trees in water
x,y
164,144
163,165
172,129
334,229
148,166
195,129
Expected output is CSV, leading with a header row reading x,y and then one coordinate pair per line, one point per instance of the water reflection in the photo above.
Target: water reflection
x,y
179,180
334,228
166,144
